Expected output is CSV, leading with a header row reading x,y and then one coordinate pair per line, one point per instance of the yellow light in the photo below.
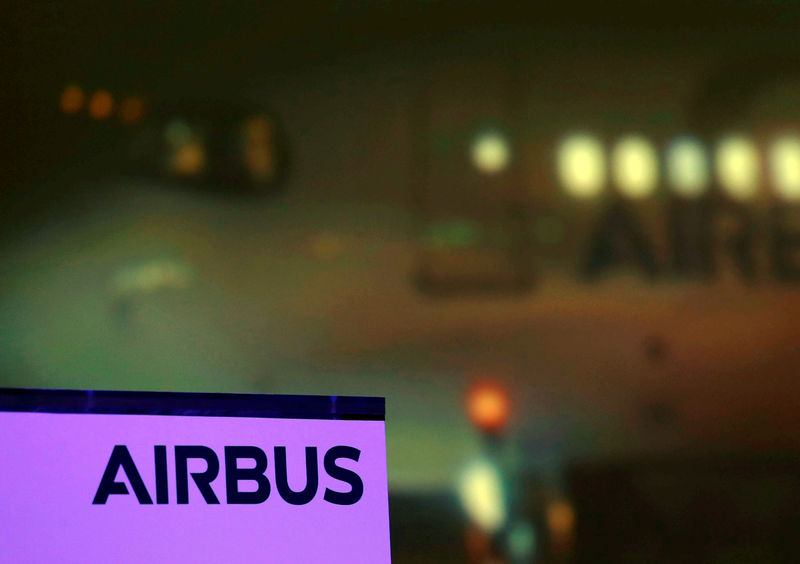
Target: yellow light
x,y
784,162
635,167
481,493
581,166
687,168
101,104
72,99
490,153
187,152
189,159
737,167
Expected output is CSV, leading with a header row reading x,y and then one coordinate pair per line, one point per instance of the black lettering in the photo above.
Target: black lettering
x,y
202,479
739,241
617,240
234,474
282,477
121,458
162,493
689,228
785,244
344,475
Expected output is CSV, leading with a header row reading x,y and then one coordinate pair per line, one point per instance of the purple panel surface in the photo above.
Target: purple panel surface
x,y
52,466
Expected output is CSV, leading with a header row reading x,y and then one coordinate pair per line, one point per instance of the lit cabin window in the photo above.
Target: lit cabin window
x,y
490,153
635,167
581,166
784,163
687,167
737,167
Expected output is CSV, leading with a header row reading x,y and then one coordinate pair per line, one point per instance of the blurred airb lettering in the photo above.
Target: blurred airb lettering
x,y
695,240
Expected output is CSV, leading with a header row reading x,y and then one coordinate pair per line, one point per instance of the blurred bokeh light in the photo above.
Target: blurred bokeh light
x,y
482,494
72,99
488,405
259,149
738,167
101,104
784,161
131,109
581,164
687,167
635,167
490,152
187,152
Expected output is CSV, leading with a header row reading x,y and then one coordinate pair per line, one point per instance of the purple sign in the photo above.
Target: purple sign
x,y
125,486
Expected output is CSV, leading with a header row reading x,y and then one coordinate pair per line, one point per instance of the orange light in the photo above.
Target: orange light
x,y
258,151
72,99
488,406
131,110
101,104
560,519
189,159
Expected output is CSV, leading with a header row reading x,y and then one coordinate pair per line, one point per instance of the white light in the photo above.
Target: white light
x,y
687,168
490,153
581,166
784,162
635,167
737,167
481,493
